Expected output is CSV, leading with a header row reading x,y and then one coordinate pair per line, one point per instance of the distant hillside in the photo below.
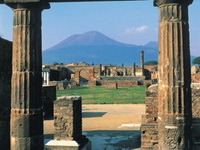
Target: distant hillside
x,y
95,47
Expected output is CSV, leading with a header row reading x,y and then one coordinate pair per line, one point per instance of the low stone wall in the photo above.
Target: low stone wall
x,y
92,83
112,85
60,85
195,78
149,127
68,125
147,83
119,83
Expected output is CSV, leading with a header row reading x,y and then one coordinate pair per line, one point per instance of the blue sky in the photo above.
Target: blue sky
x,y
128,22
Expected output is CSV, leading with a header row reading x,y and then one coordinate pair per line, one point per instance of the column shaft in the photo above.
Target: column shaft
x,y
48,78
26,95
134,69
174,94
142,62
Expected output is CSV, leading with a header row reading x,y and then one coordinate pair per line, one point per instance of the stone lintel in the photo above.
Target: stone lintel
x,y
165,2
27,4
55,1
21,1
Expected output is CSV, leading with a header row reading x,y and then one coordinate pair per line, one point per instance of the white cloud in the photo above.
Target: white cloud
x,y
134,30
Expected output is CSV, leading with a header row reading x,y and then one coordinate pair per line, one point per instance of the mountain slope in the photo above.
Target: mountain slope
x,y
94,47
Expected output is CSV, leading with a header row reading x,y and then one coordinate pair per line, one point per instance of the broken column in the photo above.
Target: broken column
x,y
68,125
142,62
5,92
26,94
134,70
174,93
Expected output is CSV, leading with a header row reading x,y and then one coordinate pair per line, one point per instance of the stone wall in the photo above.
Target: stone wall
x,y
5,92
119,83
196,114
68,125
196,78
149,127
49,96
67,118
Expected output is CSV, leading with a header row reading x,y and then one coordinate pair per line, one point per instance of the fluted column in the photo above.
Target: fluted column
x,y
26,95
174,93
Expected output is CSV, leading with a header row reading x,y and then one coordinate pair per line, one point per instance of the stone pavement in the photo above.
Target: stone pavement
x,y
109,127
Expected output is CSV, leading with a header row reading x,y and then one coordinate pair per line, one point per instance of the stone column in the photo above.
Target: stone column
x,y
45,78
142,62
26,96
134,69
99,70
48,78
174,93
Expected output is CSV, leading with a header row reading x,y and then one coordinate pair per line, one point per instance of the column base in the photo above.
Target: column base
x,y
67,145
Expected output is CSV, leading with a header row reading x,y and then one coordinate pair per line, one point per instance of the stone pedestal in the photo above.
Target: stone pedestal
x,y
26,94
174,93
68,125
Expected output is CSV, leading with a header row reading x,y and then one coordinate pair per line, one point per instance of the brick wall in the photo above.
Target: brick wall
x,y
149,130
196,114
119,83
68,118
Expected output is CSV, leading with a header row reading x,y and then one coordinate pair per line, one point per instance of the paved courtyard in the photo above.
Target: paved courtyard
x,y
109,127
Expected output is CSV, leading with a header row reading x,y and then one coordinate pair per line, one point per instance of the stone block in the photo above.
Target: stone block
x,y
67,145
68,125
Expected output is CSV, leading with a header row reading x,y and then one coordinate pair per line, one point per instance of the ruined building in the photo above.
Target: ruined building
x,y
92,75
174,76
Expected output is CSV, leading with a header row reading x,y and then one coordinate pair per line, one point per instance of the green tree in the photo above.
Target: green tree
x,y
196,61
56,63
152,62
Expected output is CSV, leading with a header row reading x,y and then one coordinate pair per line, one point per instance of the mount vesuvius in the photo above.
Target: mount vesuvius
x,y
95,47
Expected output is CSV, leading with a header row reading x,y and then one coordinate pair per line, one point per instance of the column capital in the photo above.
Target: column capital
x,y
165,2
30,4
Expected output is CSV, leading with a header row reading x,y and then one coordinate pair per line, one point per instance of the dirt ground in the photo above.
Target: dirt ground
x,y
108,127
107,117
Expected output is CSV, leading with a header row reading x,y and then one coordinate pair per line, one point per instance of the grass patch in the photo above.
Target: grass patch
x,y
103,95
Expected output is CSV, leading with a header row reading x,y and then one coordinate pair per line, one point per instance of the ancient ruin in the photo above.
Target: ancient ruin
x,y
174,93
149,128
70,75
68,125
